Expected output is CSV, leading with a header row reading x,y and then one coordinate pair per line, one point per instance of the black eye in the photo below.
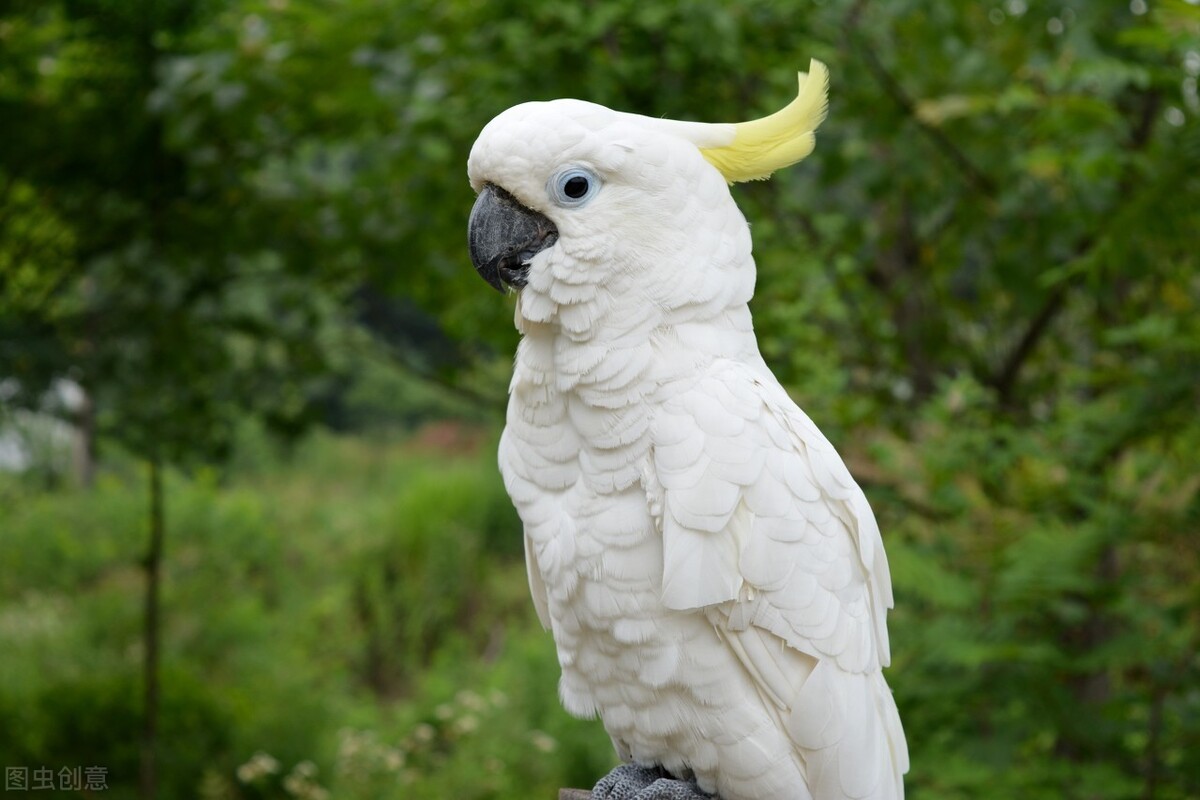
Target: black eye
x,y
576,187
573,187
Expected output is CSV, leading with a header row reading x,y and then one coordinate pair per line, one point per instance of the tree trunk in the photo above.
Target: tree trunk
x,y
153,565
83,444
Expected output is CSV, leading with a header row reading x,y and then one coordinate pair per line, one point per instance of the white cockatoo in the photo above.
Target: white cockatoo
x,y
713,577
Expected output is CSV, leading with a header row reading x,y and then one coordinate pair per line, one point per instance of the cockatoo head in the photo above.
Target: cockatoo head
x,y
575,199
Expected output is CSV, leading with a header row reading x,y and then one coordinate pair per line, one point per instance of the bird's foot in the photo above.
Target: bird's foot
x,y
631,782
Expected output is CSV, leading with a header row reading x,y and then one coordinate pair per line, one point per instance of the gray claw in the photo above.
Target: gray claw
x,y
671,789
632,782
625,782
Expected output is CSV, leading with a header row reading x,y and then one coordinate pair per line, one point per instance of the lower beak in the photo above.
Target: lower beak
x,y
504,236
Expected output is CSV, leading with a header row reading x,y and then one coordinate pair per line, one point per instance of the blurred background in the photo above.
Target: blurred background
x,y
253,543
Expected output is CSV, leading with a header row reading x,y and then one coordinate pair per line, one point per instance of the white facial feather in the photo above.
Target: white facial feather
x,y
662,231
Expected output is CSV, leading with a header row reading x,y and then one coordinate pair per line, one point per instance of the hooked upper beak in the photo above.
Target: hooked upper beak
x,y
504,236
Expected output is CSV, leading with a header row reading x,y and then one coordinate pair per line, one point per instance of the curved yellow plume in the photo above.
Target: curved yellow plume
x,y
764,145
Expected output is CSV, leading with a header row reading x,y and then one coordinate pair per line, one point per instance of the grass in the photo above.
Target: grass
x,y
346,619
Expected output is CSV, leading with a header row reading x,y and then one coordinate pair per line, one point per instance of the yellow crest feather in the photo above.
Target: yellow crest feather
x,y
764,145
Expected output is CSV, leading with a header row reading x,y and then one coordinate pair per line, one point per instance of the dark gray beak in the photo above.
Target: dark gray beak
x,y
504,236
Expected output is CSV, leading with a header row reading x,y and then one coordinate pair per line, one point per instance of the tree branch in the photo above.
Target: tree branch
x,y
421,372
971,173
1005,379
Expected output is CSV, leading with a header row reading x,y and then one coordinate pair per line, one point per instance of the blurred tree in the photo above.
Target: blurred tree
x,y
130,270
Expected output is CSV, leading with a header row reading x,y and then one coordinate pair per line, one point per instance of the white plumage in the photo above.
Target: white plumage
x,y
714,578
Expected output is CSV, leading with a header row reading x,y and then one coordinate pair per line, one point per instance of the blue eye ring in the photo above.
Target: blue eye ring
x,y
573,187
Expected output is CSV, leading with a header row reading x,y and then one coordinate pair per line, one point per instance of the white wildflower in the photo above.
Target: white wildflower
x,y
266,763
542,741
393,759
294,785
424,732
470,700
260,764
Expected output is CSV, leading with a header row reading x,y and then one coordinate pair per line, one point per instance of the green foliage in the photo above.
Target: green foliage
x,y
360,552
1045,630
983,285
36,248
427,580
119,266
93,720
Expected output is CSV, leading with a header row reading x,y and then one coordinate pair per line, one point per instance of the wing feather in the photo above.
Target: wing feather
x,y
806,538
766,532
537,586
